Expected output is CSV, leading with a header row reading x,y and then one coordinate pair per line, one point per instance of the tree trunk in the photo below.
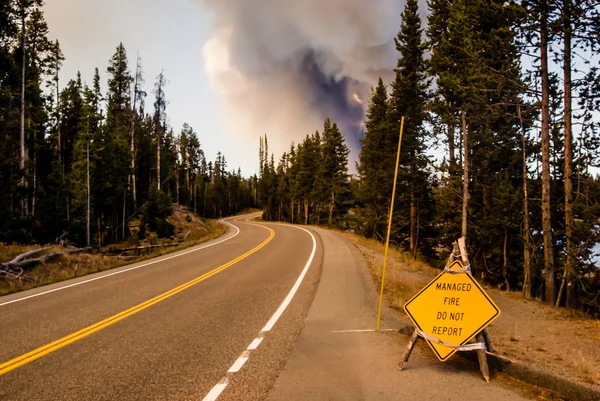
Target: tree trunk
x,y
546,216
317,208
526,243
87,238
132,175
158,158
176,185
505,260
331,207
195,195
305,212
135,98
570,260
58,134
23,158
451,156
124,213
188,184
292,209
279,210
465,203
98,222
579,157
413,219
460,152
34,179
205,194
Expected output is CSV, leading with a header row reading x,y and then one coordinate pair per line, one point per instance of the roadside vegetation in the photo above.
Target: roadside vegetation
x,y
185,229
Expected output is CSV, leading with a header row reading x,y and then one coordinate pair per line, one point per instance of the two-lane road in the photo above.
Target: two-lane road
x,y
217,320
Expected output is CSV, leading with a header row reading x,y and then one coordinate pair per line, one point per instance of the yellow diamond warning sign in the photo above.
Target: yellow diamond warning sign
x,y
452,308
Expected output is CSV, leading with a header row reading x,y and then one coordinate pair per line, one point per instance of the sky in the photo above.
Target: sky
x,y
169,35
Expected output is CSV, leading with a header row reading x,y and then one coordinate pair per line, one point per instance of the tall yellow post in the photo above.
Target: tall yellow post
x,y
387,240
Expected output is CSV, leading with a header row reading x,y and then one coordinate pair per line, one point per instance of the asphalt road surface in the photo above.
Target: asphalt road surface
x,y
266,312
216,321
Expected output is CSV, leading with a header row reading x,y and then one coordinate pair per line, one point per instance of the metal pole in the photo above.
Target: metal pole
x,y
387,241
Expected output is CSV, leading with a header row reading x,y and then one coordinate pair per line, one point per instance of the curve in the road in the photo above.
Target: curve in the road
x,y
216,391
53,346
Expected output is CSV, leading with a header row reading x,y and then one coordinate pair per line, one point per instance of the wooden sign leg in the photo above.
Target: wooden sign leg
x,y
408,350
488,341
481,355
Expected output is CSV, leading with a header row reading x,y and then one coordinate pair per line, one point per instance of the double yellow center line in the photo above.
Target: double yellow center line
x,y
71,338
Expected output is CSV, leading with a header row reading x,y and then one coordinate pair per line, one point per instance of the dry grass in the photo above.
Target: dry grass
x,y
402,290
71,266
405,276
586,369
410,263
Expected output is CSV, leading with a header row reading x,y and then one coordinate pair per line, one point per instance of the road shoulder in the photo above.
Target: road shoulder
x,y
334,360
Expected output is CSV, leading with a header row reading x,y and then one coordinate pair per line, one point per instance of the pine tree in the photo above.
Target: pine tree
x,y
39,49
409,99
307,159
444,101
23,9
376,167
137,97
55,64
292,174
118,120
334,169
159,119
119,88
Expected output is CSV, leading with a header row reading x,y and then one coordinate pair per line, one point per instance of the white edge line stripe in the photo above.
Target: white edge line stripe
x,y
239,363
217,390
294,289
255,343
124,270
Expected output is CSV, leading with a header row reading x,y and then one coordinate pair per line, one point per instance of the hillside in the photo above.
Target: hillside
x,y
189,230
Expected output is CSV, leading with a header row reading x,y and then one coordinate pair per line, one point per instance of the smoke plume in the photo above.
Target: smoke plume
x,y
281,67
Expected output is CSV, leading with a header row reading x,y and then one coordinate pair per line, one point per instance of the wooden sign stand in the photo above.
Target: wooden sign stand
x,y
483,343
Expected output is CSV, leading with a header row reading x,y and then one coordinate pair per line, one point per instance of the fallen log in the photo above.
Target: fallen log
x,y
29,263
27,255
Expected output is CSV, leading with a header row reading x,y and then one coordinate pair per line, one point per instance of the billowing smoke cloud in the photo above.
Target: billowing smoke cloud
x,y
281,67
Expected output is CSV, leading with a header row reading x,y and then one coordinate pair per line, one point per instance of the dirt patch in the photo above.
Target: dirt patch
x,y
404,276
558,341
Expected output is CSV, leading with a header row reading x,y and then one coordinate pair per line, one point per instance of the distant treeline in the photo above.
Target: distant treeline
x,y
77,159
